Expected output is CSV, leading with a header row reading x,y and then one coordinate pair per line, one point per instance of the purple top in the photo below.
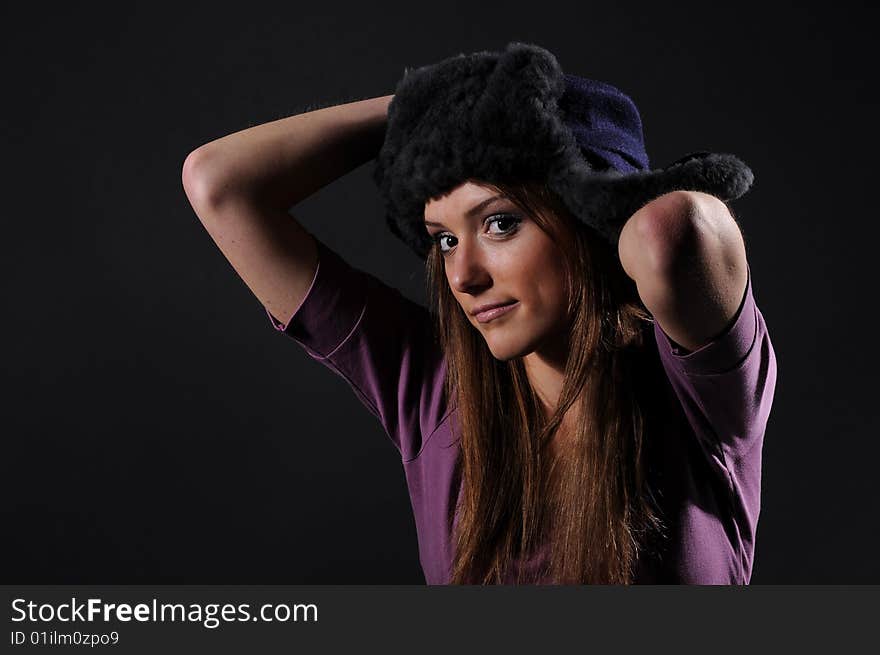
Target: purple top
x,y
709,466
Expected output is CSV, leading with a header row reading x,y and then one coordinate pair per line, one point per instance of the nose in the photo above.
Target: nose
x,y
466,270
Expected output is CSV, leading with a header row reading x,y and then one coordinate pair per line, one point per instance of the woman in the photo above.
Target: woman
x,y
566,435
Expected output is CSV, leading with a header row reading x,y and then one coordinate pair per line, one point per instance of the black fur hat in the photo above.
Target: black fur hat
x,y
514,116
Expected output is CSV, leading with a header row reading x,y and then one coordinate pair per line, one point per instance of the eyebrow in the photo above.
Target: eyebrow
x,y
476,209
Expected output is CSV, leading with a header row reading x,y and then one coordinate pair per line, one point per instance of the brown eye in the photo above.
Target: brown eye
x,y
507,223
438,239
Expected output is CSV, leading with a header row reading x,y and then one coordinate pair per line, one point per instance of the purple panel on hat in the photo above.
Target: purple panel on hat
x,y
605,123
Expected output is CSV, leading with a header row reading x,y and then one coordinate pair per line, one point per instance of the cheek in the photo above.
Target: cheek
x,y
544,275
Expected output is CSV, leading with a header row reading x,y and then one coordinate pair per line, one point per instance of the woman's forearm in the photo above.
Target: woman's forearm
x,y
285,161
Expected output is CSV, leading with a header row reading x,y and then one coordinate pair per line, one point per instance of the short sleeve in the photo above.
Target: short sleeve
x,y
380,342
730,381
726,390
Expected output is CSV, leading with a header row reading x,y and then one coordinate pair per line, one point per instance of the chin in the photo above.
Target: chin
x,y
504,349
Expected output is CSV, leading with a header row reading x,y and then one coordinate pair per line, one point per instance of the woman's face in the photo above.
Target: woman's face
x,y
493,252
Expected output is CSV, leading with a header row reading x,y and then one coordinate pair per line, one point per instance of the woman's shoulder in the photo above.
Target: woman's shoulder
x,y
381,342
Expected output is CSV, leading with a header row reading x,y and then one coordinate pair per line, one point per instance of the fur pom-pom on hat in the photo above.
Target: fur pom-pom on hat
x,y
514,116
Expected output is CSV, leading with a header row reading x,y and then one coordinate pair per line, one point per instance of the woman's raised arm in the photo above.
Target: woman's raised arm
x,y
241,187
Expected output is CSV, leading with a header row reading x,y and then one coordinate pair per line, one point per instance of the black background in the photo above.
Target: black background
x,y
158,430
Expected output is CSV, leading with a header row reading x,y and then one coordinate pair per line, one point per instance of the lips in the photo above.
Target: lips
x,y
494,311
490,305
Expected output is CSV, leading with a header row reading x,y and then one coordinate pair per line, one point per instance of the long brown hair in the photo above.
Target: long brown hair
x,y
593,503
